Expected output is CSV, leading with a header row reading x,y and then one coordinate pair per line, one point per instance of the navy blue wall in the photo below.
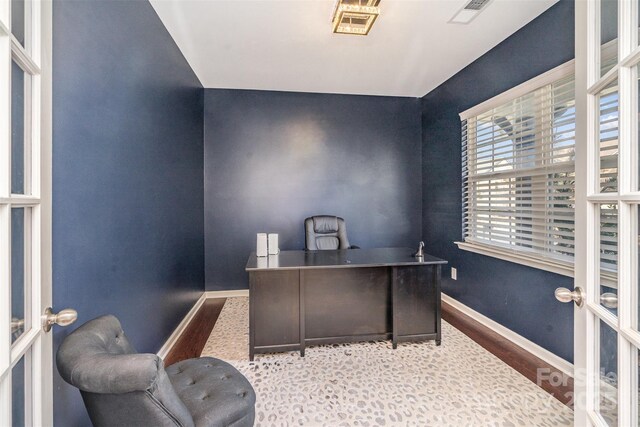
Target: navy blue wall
x,y
274,158
518,297
127,176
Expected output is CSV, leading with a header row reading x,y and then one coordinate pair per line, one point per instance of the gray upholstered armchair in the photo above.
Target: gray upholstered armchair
x,y
326,232
123,388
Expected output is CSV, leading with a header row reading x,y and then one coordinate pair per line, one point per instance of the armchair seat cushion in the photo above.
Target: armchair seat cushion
x,y
215,393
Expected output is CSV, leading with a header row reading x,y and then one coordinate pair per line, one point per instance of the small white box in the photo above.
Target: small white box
x,y
273,261
261,245
273,244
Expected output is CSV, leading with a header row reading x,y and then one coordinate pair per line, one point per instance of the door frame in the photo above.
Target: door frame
x,y
46,203
581,339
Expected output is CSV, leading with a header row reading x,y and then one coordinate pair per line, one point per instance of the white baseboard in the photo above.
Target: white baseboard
x,y
227,294
173,338
533,348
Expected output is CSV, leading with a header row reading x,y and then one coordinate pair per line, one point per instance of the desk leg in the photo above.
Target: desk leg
x,y
302,299
251,317
394,307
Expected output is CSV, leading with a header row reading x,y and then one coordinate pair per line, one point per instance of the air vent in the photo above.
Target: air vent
x,y
469,11
476,4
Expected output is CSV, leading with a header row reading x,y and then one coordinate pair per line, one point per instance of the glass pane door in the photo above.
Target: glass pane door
x,y
607,342
24,364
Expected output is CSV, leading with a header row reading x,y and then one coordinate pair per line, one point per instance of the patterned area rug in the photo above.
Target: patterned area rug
x,y
369,384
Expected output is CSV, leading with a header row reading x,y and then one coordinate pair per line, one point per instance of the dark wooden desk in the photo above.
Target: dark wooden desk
x,y
300,298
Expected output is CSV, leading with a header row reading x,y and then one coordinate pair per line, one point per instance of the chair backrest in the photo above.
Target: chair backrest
x,y
325,232
119,386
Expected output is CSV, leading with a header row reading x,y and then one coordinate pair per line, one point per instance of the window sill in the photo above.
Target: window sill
x,y
542,264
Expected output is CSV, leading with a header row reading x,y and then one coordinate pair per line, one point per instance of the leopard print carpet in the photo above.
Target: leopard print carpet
x,y
370,384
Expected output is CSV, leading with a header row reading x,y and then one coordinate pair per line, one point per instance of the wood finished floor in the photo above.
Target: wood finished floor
x,y
193,340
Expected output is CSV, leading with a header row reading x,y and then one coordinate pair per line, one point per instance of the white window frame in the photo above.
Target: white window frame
x,y
559,267
547,78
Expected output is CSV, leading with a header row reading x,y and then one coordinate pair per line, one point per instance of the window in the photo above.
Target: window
x,y
519,173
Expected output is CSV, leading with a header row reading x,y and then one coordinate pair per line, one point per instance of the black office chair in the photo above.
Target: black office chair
x,y
326,232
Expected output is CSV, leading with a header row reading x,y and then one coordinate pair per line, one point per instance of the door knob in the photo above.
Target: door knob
x,y
16,325
565,295
609,300
63,318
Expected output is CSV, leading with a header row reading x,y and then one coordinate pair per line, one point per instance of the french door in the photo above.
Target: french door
x,y
25,212
607,337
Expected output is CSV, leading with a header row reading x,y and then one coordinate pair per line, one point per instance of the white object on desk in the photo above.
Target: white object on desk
x,y
273,244
273,261
261,245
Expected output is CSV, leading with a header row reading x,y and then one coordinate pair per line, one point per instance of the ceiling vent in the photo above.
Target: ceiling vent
x,y
469,11
476,4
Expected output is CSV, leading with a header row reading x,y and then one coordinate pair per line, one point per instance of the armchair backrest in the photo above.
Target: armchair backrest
x,y
119,386
325,232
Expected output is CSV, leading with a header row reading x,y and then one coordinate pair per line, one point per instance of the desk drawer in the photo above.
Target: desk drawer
x,y
274,300
416,300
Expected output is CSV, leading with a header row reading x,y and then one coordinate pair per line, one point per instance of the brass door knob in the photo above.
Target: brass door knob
x,y
62,318
609,300
565,295
16,325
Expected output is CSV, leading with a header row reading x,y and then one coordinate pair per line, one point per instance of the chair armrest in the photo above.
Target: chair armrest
x,y
121,373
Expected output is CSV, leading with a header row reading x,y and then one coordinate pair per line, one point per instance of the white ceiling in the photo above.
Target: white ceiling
x,y
287,45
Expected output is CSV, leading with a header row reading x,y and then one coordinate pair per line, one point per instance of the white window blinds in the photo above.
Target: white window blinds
x,y
518,174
